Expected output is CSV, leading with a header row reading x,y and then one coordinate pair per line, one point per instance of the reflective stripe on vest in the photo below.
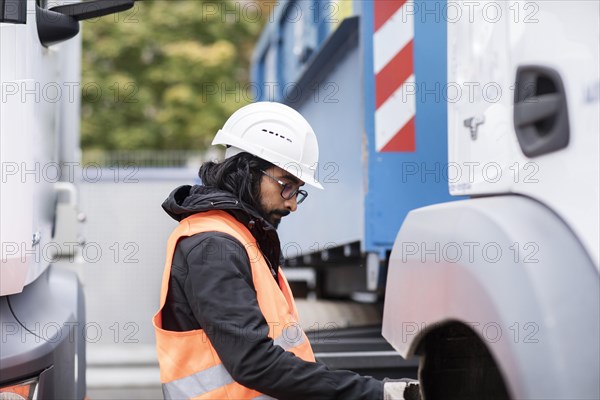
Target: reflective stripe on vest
x,y
198,384
189,365
215,377
291,337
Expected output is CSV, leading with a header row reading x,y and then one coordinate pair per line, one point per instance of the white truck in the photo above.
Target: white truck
x,y
42,314
499,293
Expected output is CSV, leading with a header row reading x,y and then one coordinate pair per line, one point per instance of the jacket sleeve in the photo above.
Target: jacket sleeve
x,y
221,294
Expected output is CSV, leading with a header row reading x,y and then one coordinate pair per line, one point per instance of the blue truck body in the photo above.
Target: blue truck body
x,y
318,58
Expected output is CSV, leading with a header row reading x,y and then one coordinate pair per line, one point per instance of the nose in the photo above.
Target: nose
x,y
291,204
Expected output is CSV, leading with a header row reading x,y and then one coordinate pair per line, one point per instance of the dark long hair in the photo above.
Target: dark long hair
x,y
239,175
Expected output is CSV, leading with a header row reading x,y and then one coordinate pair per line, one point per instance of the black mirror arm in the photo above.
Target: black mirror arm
x,y
93,9
62,22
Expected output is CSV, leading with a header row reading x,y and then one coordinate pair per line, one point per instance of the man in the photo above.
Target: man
x,y
227,325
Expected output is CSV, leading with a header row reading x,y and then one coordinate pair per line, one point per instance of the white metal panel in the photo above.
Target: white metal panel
x,y
479,77
32,90
41,65
16,194
485,54
565,36
8,33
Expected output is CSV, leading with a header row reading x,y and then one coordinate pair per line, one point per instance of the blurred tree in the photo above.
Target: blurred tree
x,y
167,73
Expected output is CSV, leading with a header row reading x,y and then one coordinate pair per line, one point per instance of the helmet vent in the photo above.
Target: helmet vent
x,y
277,134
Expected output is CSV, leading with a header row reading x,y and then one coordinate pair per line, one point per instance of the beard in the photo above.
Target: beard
x,y
275,217
272,216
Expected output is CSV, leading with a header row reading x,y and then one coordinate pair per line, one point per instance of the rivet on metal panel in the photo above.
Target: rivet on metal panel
x,y
37,237
473,124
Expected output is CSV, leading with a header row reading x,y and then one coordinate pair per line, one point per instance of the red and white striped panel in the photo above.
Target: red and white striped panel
x,y
394,76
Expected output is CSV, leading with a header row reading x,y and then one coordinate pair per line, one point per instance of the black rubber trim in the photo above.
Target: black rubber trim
x,y
93,9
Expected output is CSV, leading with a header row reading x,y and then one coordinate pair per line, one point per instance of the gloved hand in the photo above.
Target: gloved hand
x,y
401,389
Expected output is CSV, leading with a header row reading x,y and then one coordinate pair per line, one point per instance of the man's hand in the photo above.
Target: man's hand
x,y
401,389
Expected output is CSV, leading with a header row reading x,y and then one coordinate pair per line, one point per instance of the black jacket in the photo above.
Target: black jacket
x,y
211,288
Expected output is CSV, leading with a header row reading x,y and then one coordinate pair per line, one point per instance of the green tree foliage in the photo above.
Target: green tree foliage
x,y
161,75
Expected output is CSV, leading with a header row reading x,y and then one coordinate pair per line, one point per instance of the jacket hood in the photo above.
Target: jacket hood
x,y
187,200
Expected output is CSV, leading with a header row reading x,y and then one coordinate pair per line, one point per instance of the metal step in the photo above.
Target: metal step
x,y
362,350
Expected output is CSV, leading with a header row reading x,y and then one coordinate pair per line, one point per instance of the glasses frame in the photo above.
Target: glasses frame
x,y
284,186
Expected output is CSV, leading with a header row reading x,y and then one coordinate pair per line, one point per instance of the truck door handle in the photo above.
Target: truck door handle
x,y
537,109
540,111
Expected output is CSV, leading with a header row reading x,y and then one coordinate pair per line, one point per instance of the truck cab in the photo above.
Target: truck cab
x,y
499,293
42,309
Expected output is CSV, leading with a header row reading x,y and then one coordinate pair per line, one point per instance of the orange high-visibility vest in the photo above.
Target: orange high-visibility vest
x,y
189,365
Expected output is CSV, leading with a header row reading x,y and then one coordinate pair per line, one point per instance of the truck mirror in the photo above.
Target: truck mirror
x,y
61,23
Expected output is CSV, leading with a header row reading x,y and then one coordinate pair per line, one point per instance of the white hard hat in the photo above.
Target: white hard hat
x,y
276,133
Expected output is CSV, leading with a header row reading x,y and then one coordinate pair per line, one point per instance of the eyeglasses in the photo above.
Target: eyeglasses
x,y
288,191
